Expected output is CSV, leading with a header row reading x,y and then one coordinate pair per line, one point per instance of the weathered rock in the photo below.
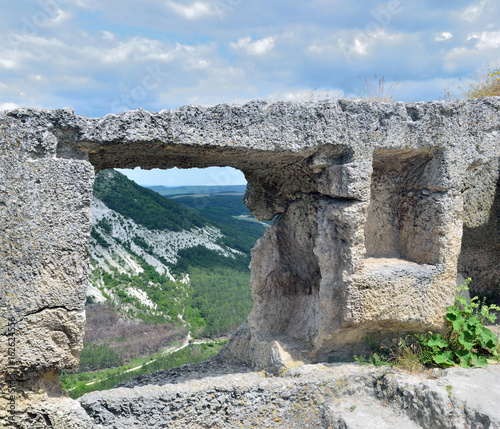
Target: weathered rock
x,y
480,254
369,199
343,396
41,403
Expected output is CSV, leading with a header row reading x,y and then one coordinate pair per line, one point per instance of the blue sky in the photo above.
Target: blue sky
x,y
99,57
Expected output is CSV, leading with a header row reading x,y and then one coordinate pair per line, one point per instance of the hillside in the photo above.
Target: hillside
x,y
229,215
158,261
144,206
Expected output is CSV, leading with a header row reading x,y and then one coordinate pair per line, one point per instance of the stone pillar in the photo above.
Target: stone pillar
x,y
45,224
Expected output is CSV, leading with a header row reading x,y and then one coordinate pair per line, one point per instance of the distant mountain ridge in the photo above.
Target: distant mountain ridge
x,y
201,189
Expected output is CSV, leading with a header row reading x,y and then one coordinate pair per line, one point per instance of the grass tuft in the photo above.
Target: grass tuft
x,y
378,89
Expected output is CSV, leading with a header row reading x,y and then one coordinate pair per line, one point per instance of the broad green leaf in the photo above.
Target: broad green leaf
x,y
438,341
465,357
473,321
453,314
458,324
491,317
445,359
488,338
479,361
466,339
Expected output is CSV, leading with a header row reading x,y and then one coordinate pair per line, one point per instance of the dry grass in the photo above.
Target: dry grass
x,y
409,361
407,353
486,84
378,89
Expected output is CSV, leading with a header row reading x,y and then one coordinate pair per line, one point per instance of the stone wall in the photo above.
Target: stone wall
x,y
369,199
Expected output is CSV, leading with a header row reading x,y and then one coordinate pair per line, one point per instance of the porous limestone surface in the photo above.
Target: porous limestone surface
x,y
44,232
350,184
480,254
344,396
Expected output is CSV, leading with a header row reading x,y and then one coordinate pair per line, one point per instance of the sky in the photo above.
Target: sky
x,y
109,56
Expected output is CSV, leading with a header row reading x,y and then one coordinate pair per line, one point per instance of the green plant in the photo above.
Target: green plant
x,y
467,341
448,389
485,83
374,359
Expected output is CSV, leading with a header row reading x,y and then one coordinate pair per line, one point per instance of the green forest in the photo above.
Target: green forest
x,y
221,210
144,206
77,384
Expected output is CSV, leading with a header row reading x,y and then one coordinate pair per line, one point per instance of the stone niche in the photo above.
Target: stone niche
x,y
411,235
403,214
368,201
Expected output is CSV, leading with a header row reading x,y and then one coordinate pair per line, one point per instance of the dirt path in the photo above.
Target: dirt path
x,y
188,340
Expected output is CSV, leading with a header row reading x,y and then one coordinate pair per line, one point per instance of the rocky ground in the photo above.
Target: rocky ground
x,y
214,395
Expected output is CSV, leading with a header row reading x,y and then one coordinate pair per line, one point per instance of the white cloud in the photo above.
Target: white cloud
x,y
197,9
139,49
486,39
106,35
258,47
8,106
316,49
61,17
7,63
445,35
474,11
306,95
132,55
484,47
360,46
352,44
25,43
86,4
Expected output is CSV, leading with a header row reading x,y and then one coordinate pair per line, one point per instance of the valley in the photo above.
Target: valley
x,y
168,278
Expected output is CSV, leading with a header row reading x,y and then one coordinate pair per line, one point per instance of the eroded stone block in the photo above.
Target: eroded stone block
x,y
369,200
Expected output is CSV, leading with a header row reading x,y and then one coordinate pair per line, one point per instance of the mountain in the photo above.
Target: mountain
x,y
160,261
228,213
188,190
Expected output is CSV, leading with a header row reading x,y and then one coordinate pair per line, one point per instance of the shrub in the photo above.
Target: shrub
x,y
467,341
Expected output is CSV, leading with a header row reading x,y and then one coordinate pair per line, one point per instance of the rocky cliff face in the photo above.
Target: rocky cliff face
x,y
370,205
